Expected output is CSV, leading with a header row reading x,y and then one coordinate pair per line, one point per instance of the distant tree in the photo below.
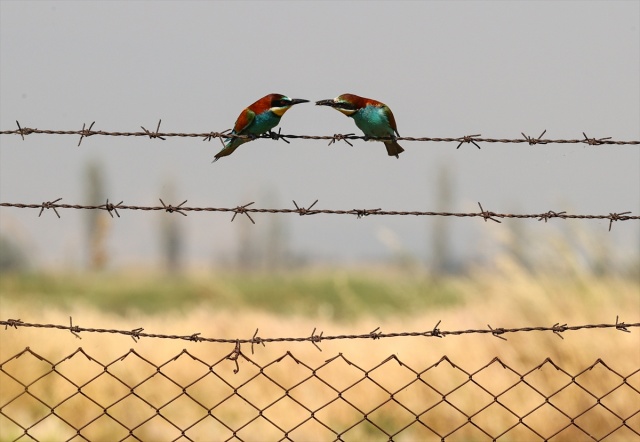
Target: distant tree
x,y
12,256
246,251
171,236
276,254
442,262
97,222
248,255
518,243
263,246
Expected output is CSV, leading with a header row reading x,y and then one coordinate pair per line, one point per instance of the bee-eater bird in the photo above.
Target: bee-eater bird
x,y
373,118
260,117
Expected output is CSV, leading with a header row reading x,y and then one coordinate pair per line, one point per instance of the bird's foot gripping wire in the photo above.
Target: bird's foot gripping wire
x,y
277,136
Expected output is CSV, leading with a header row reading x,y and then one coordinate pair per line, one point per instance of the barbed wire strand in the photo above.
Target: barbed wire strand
x,y
208,136
302,211
315,338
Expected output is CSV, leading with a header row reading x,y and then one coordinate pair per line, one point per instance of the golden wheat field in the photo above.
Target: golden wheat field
x,y
170,389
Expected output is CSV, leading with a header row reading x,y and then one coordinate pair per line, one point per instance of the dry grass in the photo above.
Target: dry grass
x,y
508,296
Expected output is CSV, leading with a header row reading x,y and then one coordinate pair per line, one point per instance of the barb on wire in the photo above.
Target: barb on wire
x,y
22,132
552,214
74,329
557,329
487,215
135,334
469,139
533,141
171,209
497,332
256,340
301,210
436,331
619,326
12,323
316,338
340,137
49,205
85,132
305,211
218,135
595,141
616,217
207,136
110,207
155,134
243,210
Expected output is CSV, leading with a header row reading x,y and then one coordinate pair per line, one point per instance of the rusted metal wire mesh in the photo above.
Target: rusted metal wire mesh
x,y
237,397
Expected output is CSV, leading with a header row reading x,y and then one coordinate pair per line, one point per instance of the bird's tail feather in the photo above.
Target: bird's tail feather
x,y
393,148
230,144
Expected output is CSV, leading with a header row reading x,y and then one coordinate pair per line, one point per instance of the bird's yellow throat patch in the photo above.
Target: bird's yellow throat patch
x,y
279,111
347,112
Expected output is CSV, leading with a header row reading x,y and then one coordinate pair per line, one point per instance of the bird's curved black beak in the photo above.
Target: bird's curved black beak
x,y
329,102
298,101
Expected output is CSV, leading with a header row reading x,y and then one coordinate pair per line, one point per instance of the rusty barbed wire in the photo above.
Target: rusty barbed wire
x,y
306,211
316,337
132,397
208,136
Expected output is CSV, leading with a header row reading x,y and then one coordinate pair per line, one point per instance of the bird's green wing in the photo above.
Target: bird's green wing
x,y
392,120
244,120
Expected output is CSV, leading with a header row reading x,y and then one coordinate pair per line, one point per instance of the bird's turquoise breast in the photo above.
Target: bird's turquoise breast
x,y
263,122
373,122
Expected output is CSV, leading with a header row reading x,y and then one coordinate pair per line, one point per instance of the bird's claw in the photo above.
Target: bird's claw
x,y
277,136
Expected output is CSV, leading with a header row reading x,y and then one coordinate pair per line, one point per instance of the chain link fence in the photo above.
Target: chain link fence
x,y
237,397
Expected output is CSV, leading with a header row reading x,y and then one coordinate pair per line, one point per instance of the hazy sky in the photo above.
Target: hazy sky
x,y
446,69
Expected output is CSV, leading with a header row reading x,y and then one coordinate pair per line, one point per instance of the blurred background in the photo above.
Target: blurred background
x,y
446,69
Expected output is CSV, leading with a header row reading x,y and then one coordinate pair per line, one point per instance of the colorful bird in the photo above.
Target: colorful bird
x,y
260,117
373,118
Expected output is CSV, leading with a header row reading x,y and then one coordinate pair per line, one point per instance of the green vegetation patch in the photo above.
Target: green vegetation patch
x,y
335,295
